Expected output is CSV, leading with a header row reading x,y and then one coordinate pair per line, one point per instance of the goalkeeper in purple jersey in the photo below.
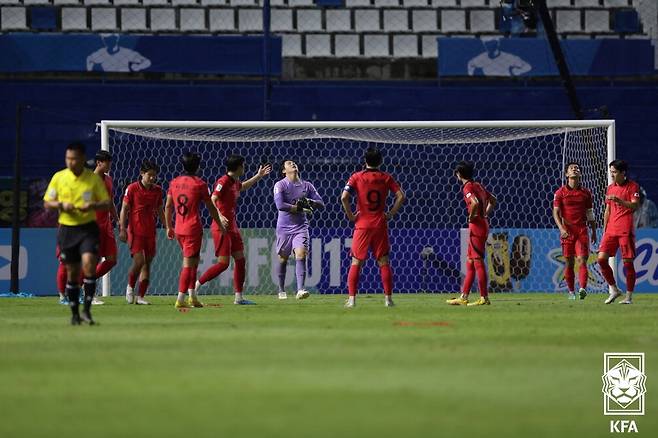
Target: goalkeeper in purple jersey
x,y
295,199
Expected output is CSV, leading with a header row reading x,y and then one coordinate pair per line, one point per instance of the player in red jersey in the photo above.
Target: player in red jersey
x,y
107,247
621,200
185,195
479,204
142,203
229,243
371,187
572,211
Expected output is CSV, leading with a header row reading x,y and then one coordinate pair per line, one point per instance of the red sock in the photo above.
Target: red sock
x,y
183,280
353,279
483,282
132,279
239,275
213,271
104,267
570,276
583,275
606,270
61,278
143,285
630,276
469,278
191,282
387,278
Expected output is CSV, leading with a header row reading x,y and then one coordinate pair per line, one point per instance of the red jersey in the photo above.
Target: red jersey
x,y
187,192
475,189
573,205
227,191
371,187
144,206
620,221
104,218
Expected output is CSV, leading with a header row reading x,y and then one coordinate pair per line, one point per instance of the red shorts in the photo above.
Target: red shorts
x,y
577,244
375,239
227,243
610,244
191,245
142,243
107,245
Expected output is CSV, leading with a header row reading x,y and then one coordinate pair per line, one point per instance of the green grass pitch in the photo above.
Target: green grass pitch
x,y
529,365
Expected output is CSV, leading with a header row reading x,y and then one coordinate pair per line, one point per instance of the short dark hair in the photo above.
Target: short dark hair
x,y
233,162
191,162
569,163
620,165
465,169
148,165
76,146
283,163
373,157
103,156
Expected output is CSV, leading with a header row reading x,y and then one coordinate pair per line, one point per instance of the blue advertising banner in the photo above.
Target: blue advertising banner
x,y
241,55
519,260
508,57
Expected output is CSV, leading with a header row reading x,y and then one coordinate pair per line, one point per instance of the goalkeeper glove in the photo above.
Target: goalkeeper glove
x,y
305,205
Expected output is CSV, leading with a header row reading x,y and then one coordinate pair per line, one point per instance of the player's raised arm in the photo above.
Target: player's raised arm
x,y
263,170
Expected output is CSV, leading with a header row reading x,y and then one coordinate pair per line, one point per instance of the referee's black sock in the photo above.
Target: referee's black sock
x,y
73,293
90,290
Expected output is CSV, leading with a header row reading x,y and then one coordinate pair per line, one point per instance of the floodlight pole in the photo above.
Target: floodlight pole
x,y
267,65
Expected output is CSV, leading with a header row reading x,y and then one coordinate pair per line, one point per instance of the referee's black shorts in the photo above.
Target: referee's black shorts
x,y
76,240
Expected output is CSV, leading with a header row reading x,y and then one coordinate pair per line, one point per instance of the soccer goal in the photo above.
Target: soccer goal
x,y
521,162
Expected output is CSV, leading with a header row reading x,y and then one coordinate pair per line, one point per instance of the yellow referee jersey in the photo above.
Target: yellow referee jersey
x,y
77,190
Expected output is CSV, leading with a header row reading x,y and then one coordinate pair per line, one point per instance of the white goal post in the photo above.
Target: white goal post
x,y
522,162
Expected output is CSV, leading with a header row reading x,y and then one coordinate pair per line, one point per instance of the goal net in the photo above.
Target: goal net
x,y
522,163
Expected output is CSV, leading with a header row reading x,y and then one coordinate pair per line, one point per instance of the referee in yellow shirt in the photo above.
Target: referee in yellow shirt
x,y
76,192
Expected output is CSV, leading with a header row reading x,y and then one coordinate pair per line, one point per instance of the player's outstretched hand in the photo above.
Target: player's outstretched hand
x,y
264,169
123,235
170,234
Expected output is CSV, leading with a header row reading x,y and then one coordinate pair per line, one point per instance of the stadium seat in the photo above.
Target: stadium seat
x,y
387,3
482,20
127,3
250,20
163,19
65,2
184,2
338,20
405,46
10,2
357,3
586,3
567,20
43,18
366,20
156,2
318,44
193,19
293,3
309,20
396,20
133,19
472,3
428,44
97,3
415,3
13,18
291,44
453,20
615,3
424,20
242,2
597,20
443,3
281,20
558,3
104,19
347,45
627,21
221,20
36,2
376,45
74,19
214,2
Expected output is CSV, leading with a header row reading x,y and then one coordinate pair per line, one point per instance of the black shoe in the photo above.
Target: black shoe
x,y
75,319
86,317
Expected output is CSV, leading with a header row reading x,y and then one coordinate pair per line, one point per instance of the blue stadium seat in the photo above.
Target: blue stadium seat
x,y
43,18
626,21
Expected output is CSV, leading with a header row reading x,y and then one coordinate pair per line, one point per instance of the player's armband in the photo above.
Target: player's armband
x,y
349,189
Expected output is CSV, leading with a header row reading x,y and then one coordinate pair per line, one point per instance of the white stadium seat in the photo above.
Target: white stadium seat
x,y
366,20
318,44
405,46
396,20
376,45
309,20
221,20
133,19
424,20
193,19
453,20
250,20
74,19
103,19
338,20
347,45
163,19
567,20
